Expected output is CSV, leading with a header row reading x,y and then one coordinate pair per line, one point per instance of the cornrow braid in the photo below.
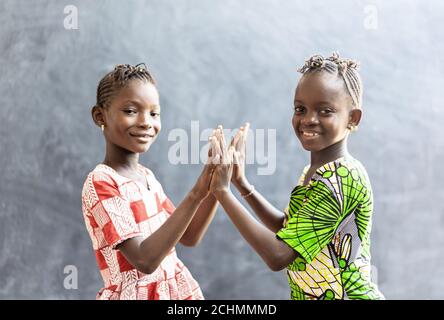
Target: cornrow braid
x,y
113,81
346,68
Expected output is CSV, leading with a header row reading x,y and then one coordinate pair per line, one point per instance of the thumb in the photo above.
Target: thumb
x,y
231,152
236,160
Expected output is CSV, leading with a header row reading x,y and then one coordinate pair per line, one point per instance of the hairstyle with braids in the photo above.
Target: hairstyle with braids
x,y
346,68
122,74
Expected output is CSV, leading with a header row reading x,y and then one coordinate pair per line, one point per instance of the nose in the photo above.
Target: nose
x,y
145,120
310,118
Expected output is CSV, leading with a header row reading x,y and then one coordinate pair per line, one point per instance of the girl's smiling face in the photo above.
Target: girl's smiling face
x,y
322,111
132,120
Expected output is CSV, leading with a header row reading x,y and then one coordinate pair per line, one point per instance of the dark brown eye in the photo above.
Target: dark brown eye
x,y
326,112
299,109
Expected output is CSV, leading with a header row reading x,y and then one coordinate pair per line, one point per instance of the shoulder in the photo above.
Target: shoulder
x,y
101,180
344,171
102,174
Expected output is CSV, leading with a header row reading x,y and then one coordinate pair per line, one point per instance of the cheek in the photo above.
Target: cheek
x,y
294,121
338,125
158,125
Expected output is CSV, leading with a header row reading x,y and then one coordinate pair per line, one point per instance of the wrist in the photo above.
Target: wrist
x,y
197,195
221,193
244,187
248,193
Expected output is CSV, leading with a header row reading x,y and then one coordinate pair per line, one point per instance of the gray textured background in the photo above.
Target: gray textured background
x,y
217,62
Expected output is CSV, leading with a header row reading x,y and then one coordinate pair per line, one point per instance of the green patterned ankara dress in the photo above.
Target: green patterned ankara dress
x,y
328,223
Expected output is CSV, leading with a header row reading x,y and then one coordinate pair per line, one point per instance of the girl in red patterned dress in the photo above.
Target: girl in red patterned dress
x,y
133,225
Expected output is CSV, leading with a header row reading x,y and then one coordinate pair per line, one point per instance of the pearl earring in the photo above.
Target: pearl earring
x,y
352,127
102,127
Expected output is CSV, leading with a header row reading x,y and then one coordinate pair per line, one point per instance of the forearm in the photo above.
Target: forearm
x,y
201,220
266,212
154,248
274,252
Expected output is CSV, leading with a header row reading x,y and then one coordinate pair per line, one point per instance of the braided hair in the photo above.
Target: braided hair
x,y
113,81
345,68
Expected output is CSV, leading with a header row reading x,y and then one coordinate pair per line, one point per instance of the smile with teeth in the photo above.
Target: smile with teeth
x,y
309,134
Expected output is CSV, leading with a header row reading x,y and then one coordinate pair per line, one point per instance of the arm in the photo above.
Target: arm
x,y
275,253
147,254
267,213
202,219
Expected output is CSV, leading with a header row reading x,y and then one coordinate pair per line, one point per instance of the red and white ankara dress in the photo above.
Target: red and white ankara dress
x,y
115,209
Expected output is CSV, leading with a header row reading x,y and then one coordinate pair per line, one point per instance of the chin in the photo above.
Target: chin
x,y
311,148
143,149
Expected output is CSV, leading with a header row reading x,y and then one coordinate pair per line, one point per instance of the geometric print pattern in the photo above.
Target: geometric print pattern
x,y
115,209
328,224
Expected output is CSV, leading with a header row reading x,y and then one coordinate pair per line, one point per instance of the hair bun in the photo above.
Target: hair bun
x,y
343,64
314,62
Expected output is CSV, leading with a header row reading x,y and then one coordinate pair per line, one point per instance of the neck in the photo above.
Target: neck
x,y
331,153
120,159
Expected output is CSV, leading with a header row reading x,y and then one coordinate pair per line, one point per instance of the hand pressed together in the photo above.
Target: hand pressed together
x,y
223,161
224,165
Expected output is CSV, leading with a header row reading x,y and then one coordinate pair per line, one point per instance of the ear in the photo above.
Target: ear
x,y
98,115
355,117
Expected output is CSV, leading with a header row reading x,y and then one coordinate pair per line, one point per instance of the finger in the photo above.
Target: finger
x,y
231,152
239,141
221,139
236,139
219,143
236,160
245,134
211,151
221,130
218,151
246,130
223,146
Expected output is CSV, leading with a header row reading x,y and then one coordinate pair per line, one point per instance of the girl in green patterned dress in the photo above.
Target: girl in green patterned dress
x,y
323,237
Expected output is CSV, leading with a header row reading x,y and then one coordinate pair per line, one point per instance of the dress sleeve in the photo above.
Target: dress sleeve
x,y
314,214
112,213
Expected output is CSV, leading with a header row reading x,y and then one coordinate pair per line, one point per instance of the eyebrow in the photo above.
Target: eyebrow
x,y
317,102
138,103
